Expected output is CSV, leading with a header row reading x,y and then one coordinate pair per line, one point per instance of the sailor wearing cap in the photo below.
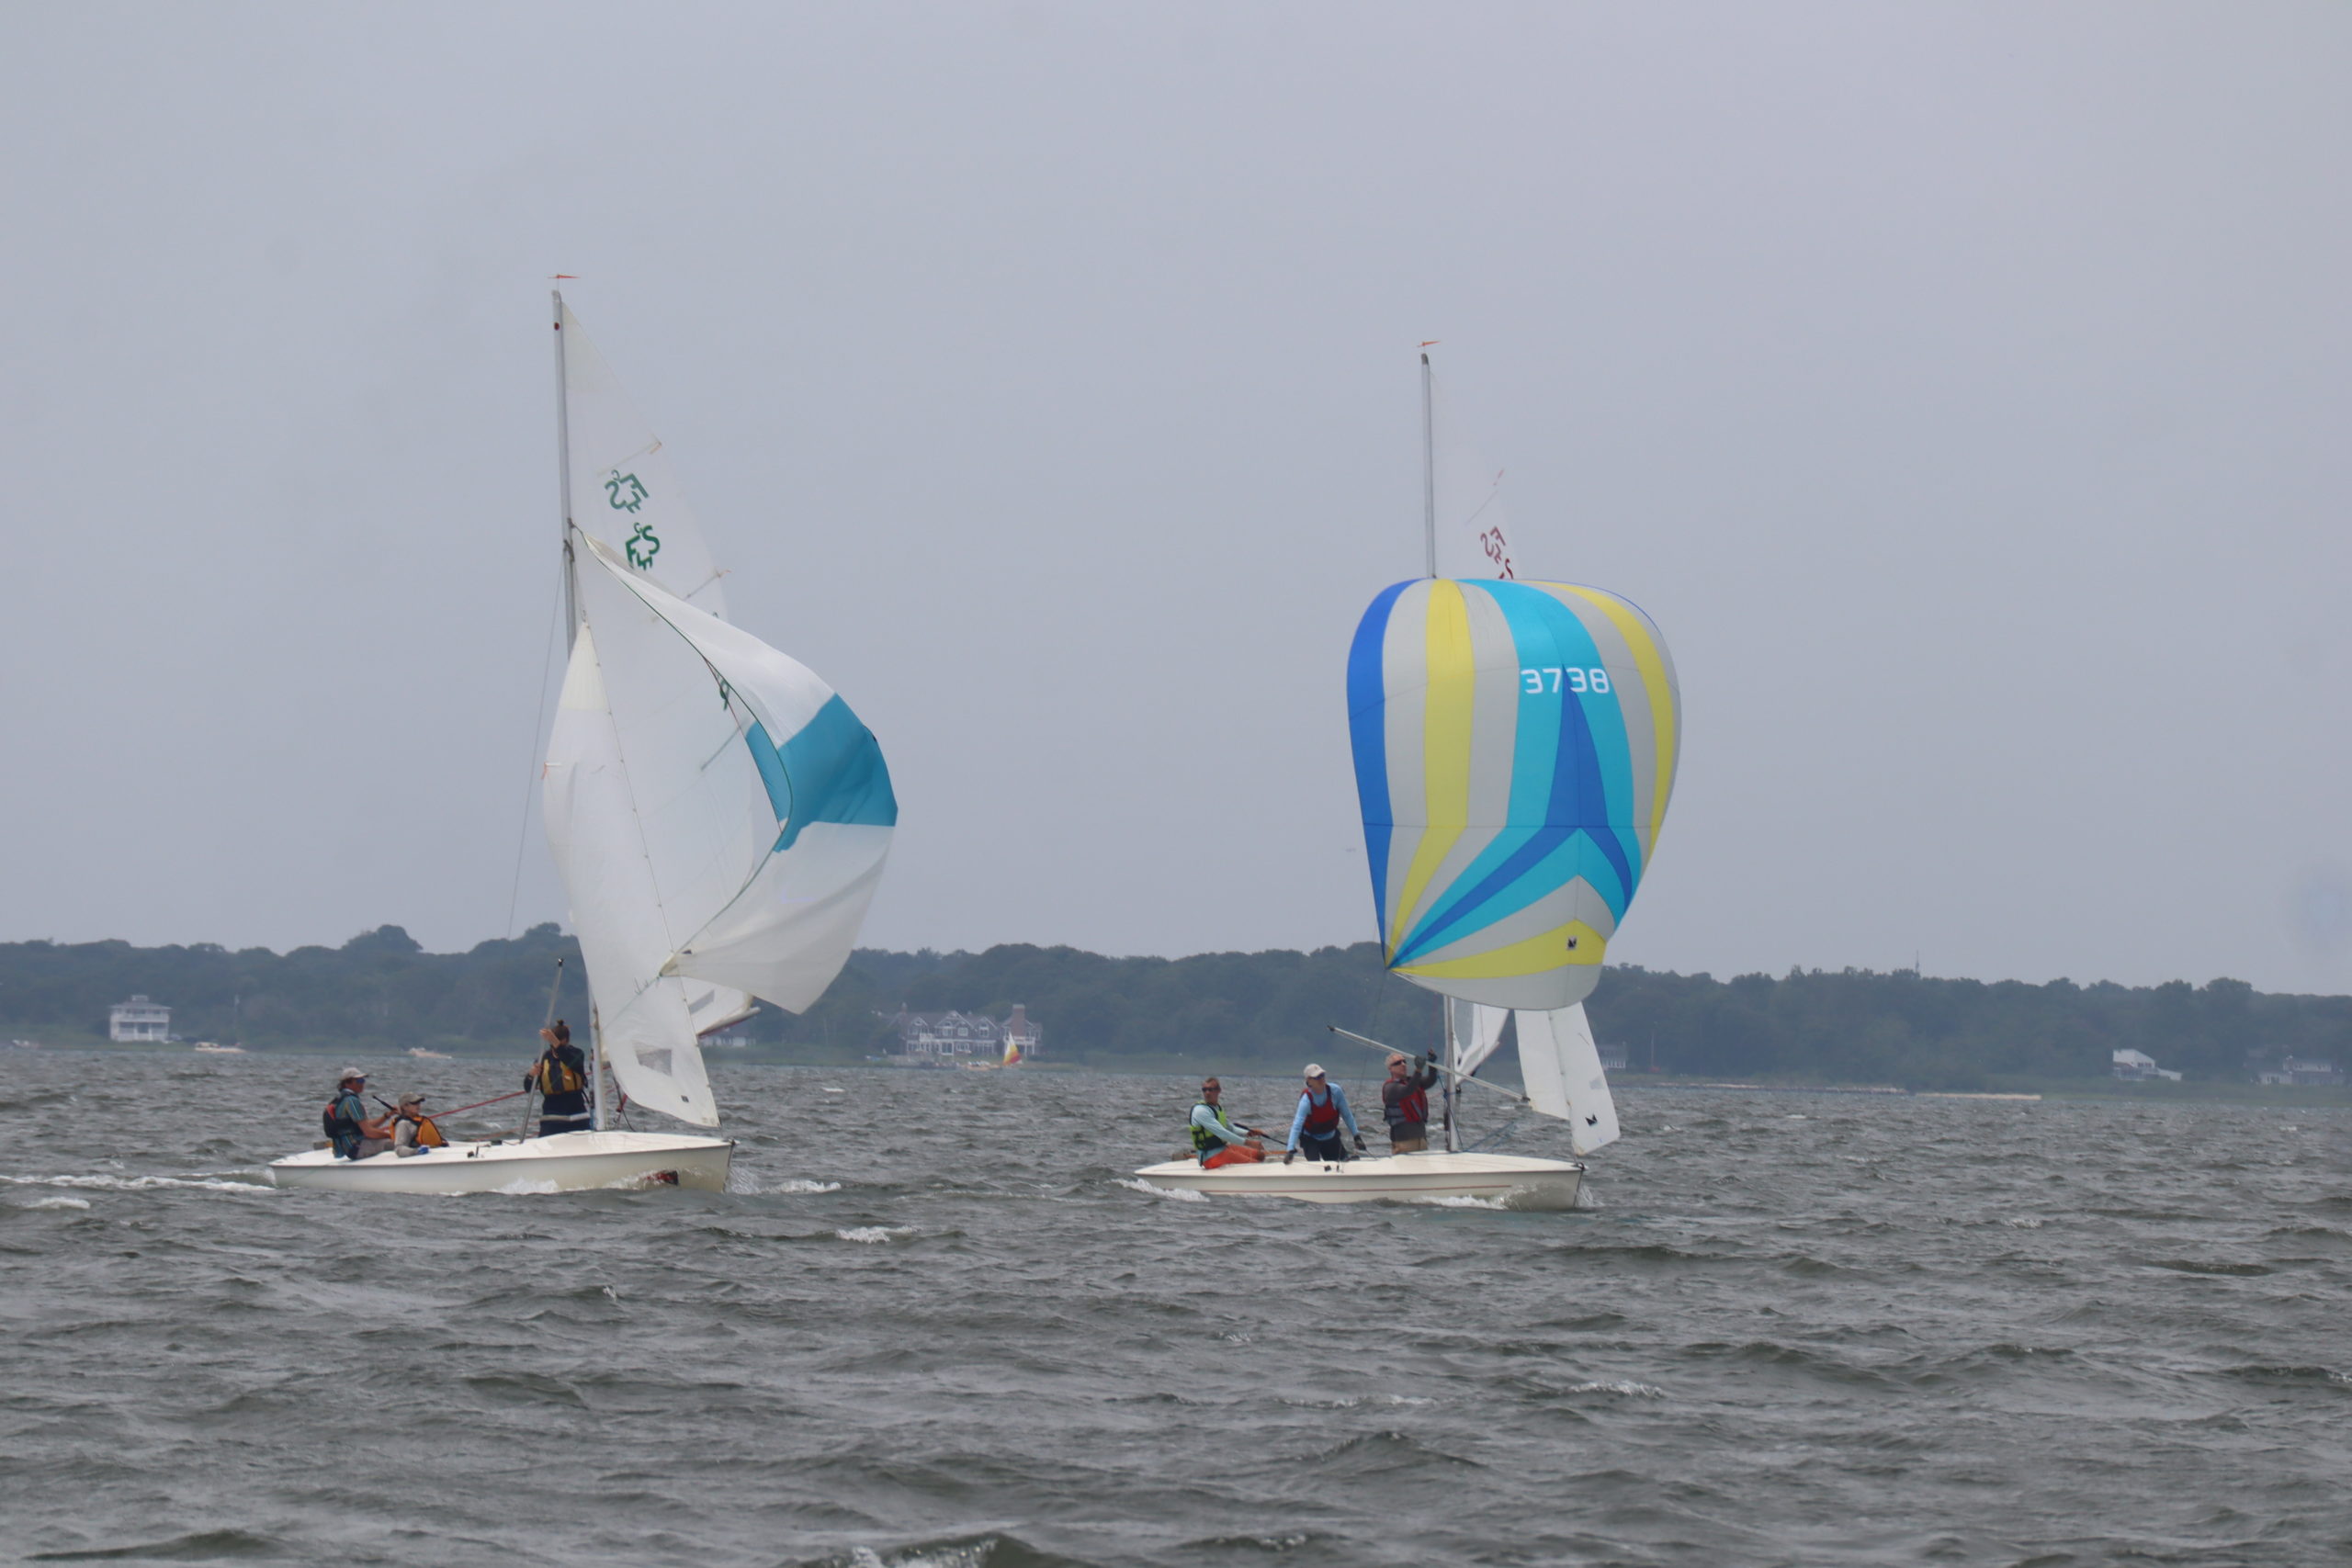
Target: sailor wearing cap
x,y
346,1122
1314,1126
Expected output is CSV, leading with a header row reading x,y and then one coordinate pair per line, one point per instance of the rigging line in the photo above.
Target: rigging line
x,y
538,713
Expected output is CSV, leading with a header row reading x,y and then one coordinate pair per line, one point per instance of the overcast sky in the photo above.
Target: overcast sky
x,y
1963,389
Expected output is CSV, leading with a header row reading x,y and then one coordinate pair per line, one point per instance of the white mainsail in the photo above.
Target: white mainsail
x,y
1472,534
718,813
1469,536
620,488
1561,1066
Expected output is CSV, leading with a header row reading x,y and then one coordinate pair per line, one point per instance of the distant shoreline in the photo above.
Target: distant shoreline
x,y
2017,1092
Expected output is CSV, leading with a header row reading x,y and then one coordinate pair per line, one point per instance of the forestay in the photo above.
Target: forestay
x,y
719,815
1515,744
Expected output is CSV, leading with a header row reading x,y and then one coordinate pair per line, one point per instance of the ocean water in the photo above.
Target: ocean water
x,y
937,1327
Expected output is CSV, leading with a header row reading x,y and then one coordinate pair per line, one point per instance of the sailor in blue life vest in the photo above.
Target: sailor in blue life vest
x,y
561,1075
348,1124
1314,1126
1405,1101
1215,1139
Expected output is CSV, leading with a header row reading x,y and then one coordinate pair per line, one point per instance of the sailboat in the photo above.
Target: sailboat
x,y
1515,743
719,815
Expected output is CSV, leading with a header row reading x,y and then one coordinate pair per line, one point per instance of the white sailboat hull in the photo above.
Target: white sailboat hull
x,y
562,1162
1515,1181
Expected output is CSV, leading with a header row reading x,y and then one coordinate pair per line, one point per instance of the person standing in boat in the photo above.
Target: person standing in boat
x,y
1315,1125
1215,1139
561,1075
349,1126
1405,1101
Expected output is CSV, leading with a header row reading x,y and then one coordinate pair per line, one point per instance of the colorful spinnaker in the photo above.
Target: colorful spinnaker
x,y
1515,744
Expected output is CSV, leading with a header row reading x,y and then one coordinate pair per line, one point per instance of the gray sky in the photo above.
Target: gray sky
x,y
1962,387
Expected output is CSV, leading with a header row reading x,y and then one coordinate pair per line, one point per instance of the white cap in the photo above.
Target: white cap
x,y
350,1073
1314,1069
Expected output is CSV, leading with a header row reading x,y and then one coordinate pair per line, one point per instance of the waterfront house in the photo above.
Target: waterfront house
x,y
138,1018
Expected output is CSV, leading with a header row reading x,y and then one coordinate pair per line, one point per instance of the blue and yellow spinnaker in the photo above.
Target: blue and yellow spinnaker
x,y
1515,744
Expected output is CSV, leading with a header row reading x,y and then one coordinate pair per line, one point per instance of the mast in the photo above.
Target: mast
x,y
571,636
1429,489
1452,1070
563,481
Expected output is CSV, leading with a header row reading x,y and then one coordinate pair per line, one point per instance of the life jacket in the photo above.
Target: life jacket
x,y
428,1136
1322,1121
1202,1142
1412,1106
342,1128
553,1075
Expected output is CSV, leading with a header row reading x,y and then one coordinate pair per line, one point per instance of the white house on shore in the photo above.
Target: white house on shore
x,y
138,1018
2138,1066
2301,1070
953,1036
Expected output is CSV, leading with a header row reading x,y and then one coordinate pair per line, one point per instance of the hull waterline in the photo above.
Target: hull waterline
x,y
1513,1181
563,1162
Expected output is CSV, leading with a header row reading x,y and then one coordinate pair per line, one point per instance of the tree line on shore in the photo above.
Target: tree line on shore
x,y
380,990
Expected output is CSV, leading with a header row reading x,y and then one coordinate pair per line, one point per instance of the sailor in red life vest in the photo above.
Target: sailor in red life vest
x,y
1314,1126
1404,1100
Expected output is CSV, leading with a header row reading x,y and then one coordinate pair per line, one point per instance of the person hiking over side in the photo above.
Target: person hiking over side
x,y
354,1134
1215,1139
1405,1101
1315,1125
561,1075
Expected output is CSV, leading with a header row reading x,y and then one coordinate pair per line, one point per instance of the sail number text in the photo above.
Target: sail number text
x,y
1536,683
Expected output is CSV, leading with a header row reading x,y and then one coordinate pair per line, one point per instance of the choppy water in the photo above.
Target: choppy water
x,y
937,1329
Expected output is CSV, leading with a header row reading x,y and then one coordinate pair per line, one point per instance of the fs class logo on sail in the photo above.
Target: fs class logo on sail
x,y
1532,684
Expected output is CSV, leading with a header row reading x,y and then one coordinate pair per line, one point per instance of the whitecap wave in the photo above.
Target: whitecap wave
x,y
58,1203
524,1187
139,1183
1181,1194
1456,1201
974,1556
874,1234
1625,1388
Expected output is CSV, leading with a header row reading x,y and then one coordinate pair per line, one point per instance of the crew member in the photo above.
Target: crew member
x,y
353,1132
1315,1125
1215,1139
561,1075
414,1133
1404,1100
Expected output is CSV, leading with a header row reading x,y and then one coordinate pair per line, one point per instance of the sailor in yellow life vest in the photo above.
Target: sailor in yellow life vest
x,y
561,1075
414,1133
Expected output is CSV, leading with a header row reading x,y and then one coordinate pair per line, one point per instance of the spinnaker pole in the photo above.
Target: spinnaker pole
x,y
1429,470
